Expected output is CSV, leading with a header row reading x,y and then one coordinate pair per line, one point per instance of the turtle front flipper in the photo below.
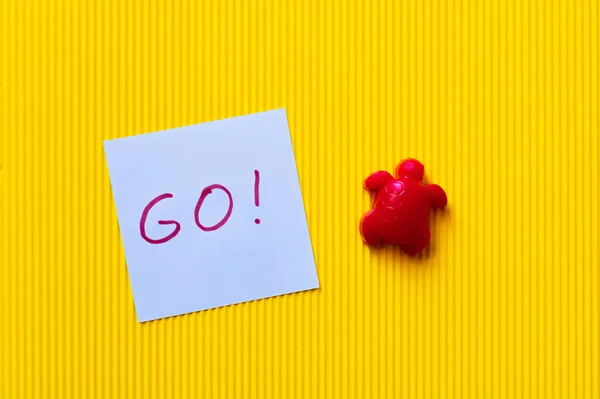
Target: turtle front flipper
x,y
438,196
378,180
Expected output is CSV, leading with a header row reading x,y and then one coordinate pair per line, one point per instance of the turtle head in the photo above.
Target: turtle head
x,y
411,168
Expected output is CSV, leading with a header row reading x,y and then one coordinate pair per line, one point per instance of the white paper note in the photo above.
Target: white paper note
x,y
211,215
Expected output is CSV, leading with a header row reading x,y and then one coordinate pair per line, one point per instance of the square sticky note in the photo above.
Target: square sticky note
x,y
211,214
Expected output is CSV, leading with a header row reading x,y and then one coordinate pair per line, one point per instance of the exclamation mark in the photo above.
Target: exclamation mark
x,y
256,192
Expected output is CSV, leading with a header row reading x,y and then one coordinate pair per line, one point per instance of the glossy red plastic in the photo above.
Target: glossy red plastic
x,y
401,208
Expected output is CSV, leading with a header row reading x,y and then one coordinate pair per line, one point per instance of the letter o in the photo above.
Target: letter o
x,y
162,222
203,195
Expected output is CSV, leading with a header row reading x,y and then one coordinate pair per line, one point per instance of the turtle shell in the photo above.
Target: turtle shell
x,y
403,210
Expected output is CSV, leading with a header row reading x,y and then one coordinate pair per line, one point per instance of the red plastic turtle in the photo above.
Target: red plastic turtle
x,y
400,214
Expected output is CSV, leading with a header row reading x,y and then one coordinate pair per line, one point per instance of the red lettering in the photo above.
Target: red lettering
x,y
161,222
203,195
256,192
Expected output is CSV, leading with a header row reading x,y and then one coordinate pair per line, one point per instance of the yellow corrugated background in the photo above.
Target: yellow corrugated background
x,y
499,99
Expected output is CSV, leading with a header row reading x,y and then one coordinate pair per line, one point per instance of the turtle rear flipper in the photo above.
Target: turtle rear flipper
x,y
368,229
417,247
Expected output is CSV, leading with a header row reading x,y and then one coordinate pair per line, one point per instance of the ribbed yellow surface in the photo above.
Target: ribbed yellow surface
x,y
499,99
